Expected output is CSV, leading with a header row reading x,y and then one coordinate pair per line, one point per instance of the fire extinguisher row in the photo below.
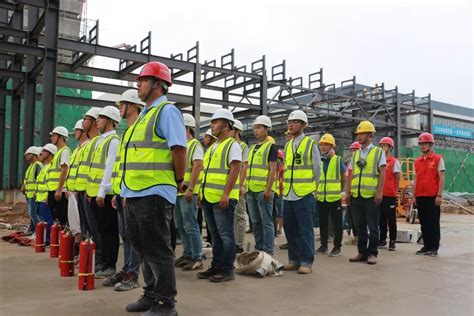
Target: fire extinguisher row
x,y
61,242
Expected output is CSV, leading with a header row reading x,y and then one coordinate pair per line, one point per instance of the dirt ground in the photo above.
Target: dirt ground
x,y
400,284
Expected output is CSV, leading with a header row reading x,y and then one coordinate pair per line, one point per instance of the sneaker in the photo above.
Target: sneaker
x,y
161,309
116,278
222,277
432,253
359,258
304,270
143,304
283,246
129,282
108,272
291,267
422,251
99,267
193,265
206,274
29,233
181,261
322,249
371,259
382,244
335,252
391,245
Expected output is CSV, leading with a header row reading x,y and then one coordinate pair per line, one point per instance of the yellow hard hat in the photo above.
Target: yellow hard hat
x,y
365,127
327,139
271,139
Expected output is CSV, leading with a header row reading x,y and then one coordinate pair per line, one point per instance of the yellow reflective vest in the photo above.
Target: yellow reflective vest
x,y
30,179
118,165
84,165
258,168
330,187
74,162
365,180
54,173
191,147
41,187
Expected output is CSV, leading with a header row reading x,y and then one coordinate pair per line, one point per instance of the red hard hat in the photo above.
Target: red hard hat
x,y
355,145
157,70
388,141
426,138
281,154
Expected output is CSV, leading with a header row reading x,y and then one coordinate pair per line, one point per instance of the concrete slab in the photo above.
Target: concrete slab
x,y
400,284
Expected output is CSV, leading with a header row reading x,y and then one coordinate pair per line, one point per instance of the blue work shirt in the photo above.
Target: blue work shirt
x,y
170,126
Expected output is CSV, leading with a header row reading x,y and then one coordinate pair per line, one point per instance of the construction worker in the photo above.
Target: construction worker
x,y
153,173
302,170
261,174
366,192
99,189
89,226
278,198
56,178
219,196
209,139
240,215
355,146
429,184
126,279
45,212
28,188
288,137
388,211
186,210
330,187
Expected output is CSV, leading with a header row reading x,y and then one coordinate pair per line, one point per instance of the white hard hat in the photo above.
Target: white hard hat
x,y
78,125
298,115
60,130
238,125
130,96
112,113
93,112
223,114
33,150
189,120
50,148
209,133
263,120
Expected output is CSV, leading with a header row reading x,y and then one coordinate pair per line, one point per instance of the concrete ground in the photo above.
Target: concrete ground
x,y
400,284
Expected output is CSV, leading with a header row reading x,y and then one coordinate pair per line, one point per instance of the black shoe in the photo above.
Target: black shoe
x,y
382,244
116,278
143,304
222,277
99,267
181,262
422,251
322,249
391,245
161,309
283,246
206,274
335,252
432,253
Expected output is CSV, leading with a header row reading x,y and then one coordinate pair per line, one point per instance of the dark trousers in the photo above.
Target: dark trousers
x,y
366,217
148,222
351,221
201,219
59,208
388,216
108,228
333,210
429,215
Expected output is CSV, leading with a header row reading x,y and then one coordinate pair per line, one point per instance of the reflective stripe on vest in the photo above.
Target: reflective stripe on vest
x,y
41,187
84,165
192,144
54,173
73,166
30,179
258,170
118,169
97,167
367,179
299,172
329,187
147,158
216,173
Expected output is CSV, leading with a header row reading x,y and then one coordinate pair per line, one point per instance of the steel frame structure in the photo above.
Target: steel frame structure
x,y
29,57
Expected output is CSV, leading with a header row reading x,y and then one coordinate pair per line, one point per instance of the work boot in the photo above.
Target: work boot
x,y
181,261
322,249
193,265
116,278
283,246
391,245
206,274
161,309
335,252
105,273
143,304
382,244
304,270
371,259
129,282
422,251
291,267
222,277
359,258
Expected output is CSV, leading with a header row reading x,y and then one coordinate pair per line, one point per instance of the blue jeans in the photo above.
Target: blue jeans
x,y
278,201
262,220
366,216
33,211
298,219
185,219
46,215
131,259
221,226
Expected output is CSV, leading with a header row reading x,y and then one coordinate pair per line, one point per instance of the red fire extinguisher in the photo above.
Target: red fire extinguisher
x,y
86,265
54,240
66,265
40,231
61,234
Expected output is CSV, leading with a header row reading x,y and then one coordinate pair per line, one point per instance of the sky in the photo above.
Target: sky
x,y
418,45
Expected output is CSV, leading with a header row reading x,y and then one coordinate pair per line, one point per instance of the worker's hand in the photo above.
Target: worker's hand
x,y
182,187
242,191
224,202
57,195
267,194
114,202
100,201
438,200
188,196
378,198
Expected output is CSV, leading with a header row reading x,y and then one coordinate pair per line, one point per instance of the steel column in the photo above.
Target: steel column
x,y
197,98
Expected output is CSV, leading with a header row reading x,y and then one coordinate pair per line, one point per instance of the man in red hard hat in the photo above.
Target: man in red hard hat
x,y
390,191
429,183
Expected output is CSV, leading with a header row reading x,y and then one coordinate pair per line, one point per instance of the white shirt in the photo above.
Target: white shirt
x,y
64,161
105,184
245,154
397,168
198,153
235,152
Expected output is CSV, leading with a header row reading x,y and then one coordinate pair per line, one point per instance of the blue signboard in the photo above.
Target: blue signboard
x,y
452,131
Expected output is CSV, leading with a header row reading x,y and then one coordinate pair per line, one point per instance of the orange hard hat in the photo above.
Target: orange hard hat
x,y
426,138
